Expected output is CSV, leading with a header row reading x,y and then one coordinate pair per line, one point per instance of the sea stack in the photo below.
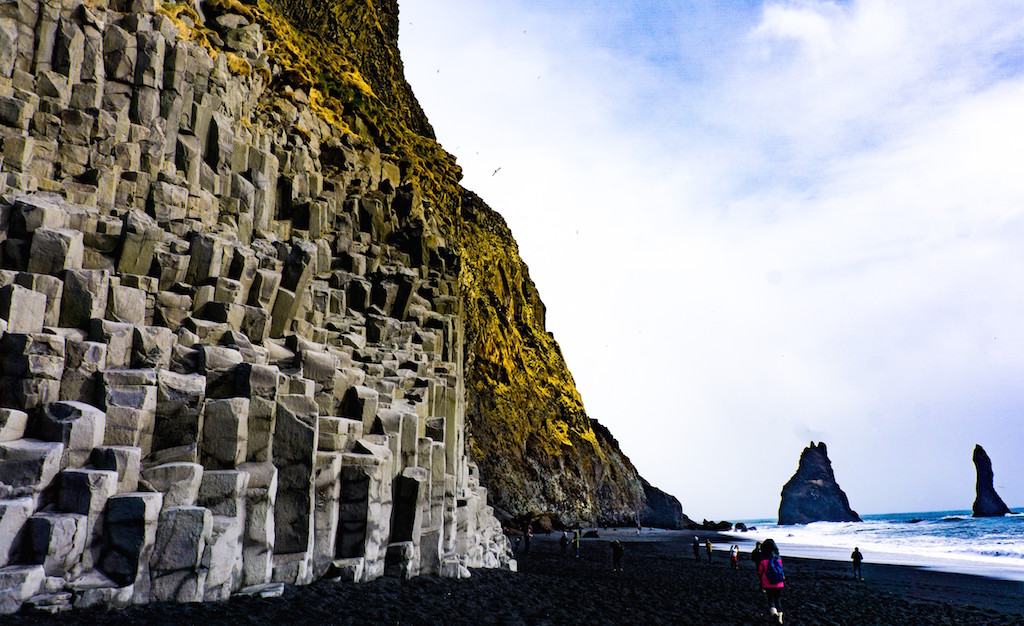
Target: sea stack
x,y
987,503
812,494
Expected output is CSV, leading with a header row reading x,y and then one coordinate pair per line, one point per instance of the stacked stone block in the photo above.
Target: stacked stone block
x,y
222,365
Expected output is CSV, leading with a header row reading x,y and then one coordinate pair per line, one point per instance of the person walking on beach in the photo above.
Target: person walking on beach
x,y
639,527
857,559
528,536
564,542
734,556
773,578
617,556
576,540
707,546
696,548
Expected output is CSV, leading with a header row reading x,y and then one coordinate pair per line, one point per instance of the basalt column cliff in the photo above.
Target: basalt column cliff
x,y
253,331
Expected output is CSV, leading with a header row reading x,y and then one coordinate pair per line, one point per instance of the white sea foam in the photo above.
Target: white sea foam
x,y
946,540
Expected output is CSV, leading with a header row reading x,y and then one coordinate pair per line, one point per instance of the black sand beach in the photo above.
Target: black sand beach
x,y
661,584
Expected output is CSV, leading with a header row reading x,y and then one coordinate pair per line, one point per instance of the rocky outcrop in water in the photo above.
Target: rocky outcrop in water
x,y
987,502
812,494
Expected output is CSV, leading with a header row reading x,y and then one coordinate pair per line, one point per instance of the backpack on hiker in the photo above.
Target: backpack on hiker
x,y
773,572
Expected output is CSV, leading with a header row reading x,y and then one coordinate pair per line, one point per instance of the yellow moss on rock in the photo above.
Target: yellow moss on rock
x,y
237,65
195,31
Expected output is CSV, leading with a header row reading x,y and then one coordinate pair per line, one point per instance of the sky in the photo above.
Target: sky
x,y
760,224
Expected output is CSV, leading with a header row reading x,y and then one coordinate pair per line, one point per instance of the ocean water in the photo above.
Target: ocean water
x,y
943,540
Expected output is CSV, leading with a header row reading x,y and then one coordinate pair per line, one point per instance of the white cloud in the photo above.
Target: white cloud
x,y
804,25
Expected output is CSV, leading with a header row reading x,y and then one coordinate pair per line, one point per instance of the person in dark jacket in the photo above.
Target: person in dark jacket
x,y
617,556
858,558
755,556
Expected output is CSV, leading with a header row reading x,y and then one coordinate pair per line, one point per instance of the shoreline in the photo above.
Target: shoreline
x,y
991,567
882,541
925,582
660,584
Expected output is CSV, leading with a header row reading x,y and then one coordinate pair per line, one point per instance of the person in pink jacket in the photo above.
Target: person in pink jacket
x,y
773,579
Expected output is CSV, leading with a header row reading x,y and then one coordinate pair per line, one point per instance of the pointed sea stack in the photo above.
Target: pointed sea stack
x,y
812,494
987,503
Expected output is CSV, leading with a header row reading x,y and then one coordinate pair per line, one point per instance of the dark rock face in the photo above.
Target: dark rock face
x,y
715,526
987,502
812,494
662,510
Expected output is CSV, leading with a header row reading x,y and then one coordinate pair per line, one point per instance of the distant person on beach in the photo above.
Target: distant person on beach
x,y
707,545
773,578
639,527
617,556
734,556
564,542
857,559
528,535
755,556
576,540
696,548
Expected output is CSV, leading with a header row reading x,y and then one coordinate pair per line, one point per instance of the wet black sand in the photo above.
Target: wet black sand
x,y
661,584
